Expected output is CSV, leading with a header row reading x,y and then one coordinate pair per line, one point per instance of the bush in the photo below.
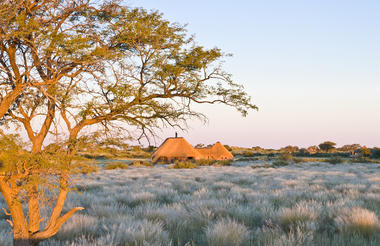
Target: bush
x,y
205,162
358,220
87,168
223,163
265,165
375,153
142,164
279,163
286,157
334,160
183,165
299,160
115,165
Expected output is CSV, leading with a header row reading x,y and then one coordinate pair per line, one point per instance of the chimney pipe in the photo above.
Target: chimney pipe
x,y
176,135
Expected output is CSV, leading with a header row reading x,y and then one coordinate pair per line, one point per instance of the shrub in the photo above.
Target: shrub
x,y
223,163
375,153
142,164
299,160
334,160
115,165
286,157
87,168
205,162
280,163
358,220
183,165
226,232
265,165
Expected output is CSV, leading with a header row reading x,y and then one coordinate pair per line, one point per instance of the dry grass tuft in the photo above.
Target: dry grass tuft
x,y
115,165
226,232
358,220
183,165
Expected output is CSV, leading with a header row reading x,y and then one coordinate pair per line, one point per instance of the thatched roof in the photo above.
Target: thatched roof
x,y
215,152
179,148
175,148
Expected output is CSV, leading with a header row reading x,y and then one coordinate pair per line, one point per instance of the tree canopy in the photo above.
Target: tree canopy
x,y
66,65
327,146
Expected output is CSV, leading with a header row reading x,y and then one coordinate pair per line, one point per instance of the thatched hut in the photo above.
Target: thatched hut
x,y
215,152
175,149
179,149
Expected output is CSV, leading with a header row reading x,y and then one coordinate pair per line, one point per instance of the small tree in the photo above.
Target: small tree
x,y
327,146
83,64
365,152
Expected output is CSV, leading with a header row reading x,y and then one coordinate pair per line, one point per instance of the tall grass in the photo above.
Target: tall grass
x,y
309,204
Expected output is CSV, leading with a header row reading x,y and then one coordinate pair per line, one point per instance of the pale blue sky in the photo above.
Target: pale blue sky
x,y
312,67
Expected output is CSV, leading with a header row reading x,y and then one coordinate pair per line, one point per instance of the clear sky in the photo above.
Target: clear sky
x,y
312,67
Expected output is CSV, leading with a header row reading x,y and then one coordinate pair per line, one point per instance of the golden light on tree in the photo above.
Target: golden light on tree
x,y
82,63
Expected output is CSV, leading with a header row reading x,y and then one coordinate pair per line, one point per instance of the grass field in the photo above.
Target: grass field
x,y
298,204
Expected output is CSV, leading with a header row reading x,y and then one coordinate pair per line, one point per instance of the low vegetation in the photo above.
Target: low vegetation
x,y
183,165
141,163
311,204
116,165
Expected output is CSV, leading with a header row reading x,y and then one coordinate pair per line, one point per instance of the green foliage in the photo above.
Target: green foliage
x,y
265,165
205,162
365,152
334,160
115,165
299,160
184,165
375,153
280,163
327,146
223,163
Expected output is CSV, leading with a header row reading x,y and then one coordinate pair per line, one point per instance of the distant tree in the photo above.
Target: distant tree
x,y
327,146
350,147
199,145
289,149
375,153
257,149
365,152
304,151
82,63
313,149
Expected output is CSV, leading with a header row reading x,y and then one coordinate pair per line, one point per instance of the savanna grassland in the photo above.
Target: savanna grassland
x,y
247,203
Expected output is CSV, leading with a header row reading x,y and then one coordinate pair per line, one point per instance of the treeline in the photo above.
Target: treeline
x,y
325,149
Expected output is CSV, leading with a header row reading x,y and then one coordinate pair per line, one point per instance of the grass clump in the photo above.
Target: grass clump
x,y
299,160
205,162
280,163
183,165
358,220
87,168
226,232
115,165
142,164
223,163
297,216
334,160
265,165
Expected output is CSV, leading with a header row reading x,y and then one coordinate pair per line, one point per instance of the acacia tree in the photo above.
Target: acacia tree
x,y
327,146
84,64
